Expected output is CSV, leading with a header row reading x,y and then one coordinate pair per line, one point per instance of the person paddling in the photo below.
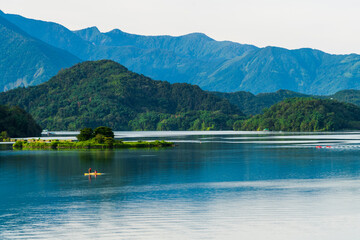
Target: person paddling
x,y
89,170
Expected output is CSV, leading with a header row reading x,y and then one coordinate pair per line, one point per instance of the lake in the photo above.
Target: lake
x,y
212,185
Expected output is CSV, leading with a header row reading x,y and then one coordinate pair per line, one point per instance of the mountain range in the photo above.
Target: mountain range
x,y
222,66
25,60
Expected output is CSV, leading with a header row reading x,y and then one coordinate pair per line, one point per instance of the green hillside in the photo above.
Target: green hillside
x,y
99,93
251,104
349,96
18,123
305,114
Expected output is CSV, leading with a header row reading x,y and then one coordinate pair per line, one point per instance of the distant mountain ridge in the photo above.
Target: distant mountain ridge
x,y
25,60
197,59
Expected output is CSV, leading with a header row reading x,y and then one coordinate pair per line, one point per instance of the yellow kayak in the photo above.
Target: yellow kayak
x,y
92,174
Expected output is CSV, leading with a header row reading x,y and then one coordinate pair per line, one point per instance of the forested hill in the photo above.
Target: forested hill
x,y
349,96
305,114
251,104
17,123
92,94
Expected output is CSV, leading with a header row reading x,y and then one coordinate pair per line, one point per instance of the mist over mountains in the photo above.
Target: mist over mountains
x,y
197,59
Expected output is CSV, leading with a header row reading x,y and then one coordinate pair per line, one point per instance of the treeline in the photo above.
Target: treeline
x,y
304,114
192,121
251,104
296,114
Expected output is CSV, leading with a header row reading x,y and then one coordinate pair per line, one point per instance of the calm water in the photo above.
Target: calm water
x,y
221,185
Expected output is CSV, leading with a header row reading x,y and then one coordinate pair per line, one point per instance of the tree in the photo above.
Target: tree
x,y
85,134
3,136
105,131
99,138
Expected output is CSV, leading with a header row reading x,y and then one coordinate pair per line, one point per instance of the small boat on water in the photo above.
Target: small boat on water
x,y
322,147
92,174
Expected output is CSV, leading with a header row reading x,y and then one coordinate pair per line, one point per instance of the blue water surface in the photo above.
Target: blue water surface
x,y
210,186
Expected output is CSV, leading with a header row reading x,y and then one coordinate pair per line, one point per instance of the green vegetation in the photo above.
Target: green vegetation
x,y
194,120
85,134
99,132
251,104
89,144
99,93
105,93
4,137
349,96
304,114
100,138
15,122
104,131
101,135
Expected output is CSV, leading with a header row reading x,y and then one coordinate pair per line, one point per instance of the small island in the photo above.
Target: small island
x,y
100,138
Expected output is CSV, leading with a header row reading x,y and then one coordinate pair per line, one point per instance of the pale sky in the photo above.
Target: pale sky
x,y
328,25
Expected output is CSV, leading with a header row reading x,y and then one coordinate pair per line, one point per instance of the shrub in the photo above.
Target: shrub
x,y
105,131
54,145
109,141
4,135
99,138
85,134
18,144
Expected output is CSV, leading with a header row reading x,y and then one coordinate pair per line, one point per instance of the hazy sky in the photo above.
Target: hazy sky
x,y
328,25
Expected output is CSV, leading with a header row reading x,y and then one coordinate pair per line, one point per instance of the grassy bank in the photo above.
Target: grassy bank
x,y
90,144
